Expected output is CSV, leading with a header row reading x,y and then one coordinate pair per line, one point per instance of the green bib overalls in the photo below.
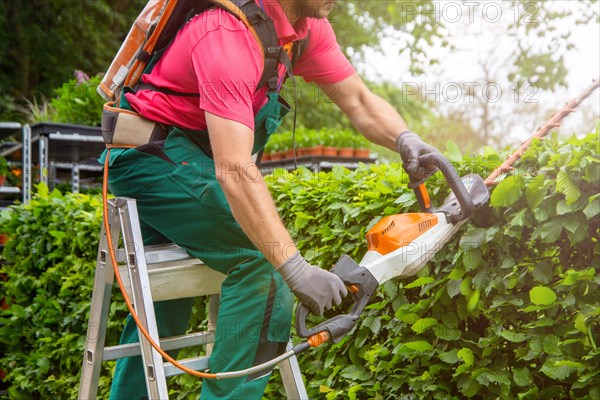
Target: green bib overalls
x,y
179,200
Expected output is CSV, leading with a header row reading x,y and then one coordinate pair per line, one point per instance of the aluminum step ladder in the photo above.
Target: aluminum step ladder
x,y
154,273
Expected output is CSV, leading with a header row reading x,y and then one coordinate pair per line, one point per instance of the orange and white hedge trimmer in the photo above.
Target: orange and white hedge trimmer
x,y
400,245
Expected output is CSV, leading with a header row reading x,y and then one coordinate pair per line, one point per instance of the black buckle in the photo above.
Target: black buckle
x,y
143,56
256,17
273,52
273,83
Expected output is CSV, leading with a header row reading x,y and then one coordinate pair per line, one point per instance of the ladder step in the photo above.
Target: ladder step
x,y
197,364
167,344
158,253
179,279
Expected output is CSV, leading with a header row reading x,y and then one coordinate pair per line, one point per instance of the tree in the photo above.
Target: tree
x,y
362,24
316,110
506,64
536,33
42,42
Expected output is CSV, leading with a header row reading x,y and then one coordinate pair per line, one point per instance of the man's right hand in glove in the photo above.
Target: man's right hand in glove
x,y
316,288
411,149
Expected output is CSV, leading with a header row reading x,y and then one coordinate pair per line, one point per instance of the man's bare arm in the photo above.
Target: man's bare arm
x,y
379,122
253,208
374,117
245,189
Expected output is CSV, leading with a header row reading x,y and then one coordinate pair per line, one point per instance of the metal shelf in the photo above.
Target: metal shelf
x,y
96,167
66,143
7,196
75,148
9,128
59,147
66,146
9,190
315,163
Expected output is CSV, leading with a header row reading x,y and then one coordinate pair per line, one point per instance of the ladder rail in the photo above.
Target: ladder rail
x,y
292,377
167,344
99,309
142,298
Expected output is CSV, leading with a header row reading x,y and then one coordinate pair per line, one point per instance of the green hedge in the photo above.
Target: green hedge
x,y
77,102
507,310
50,269
51,257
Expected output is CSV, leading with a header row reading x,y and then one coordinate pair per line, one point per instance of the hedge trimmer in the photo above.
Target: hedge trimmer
x,y
400,245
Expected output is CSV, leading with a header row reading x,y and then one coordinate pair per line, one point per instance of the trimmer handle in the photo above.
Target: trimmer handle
x,y
360,283
456,185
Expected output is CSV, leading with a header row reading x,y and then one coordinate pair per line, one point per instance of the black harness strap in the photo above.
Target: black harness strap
x,y
298,48
265,29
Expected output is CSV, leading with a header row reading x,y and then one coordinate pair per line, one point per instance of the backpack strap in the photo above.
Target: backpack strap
x,y
299,47
267,37
263,29
148,86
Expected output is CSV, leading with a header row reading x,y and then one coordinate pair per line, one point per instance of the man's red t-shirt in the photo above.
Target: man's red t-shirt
x,y
217,56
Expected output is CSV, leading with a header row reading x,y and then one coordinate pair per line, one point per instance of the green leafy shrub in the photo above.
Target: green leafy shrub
x,y
344,139
277,143
310,137
509,310
77,102
327,137
285,141
360,142
35,111
306,138
50,260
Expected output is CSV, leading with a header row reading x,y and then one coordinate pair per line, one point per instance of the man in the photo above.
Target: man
x,y
199,188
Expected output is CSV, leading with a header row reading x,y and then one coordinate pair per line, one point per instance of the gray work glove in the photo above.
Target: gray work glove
x,y
411,148
316,288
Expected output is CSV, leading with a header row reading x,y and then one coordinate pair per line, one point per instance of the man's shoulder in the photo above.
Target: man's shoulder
x,y
215,19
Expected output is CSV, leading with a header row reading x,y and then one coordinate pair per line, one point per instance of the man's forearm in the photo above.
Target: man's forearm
x,y
374,117
246,190
253,208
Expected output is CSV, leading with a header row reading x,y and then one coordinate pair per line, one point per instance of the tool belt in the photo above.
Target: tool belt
x,y
128,128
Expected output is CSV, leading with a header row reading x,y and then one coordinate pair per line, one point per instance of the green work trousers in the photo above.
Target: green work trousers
x,y
179,200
